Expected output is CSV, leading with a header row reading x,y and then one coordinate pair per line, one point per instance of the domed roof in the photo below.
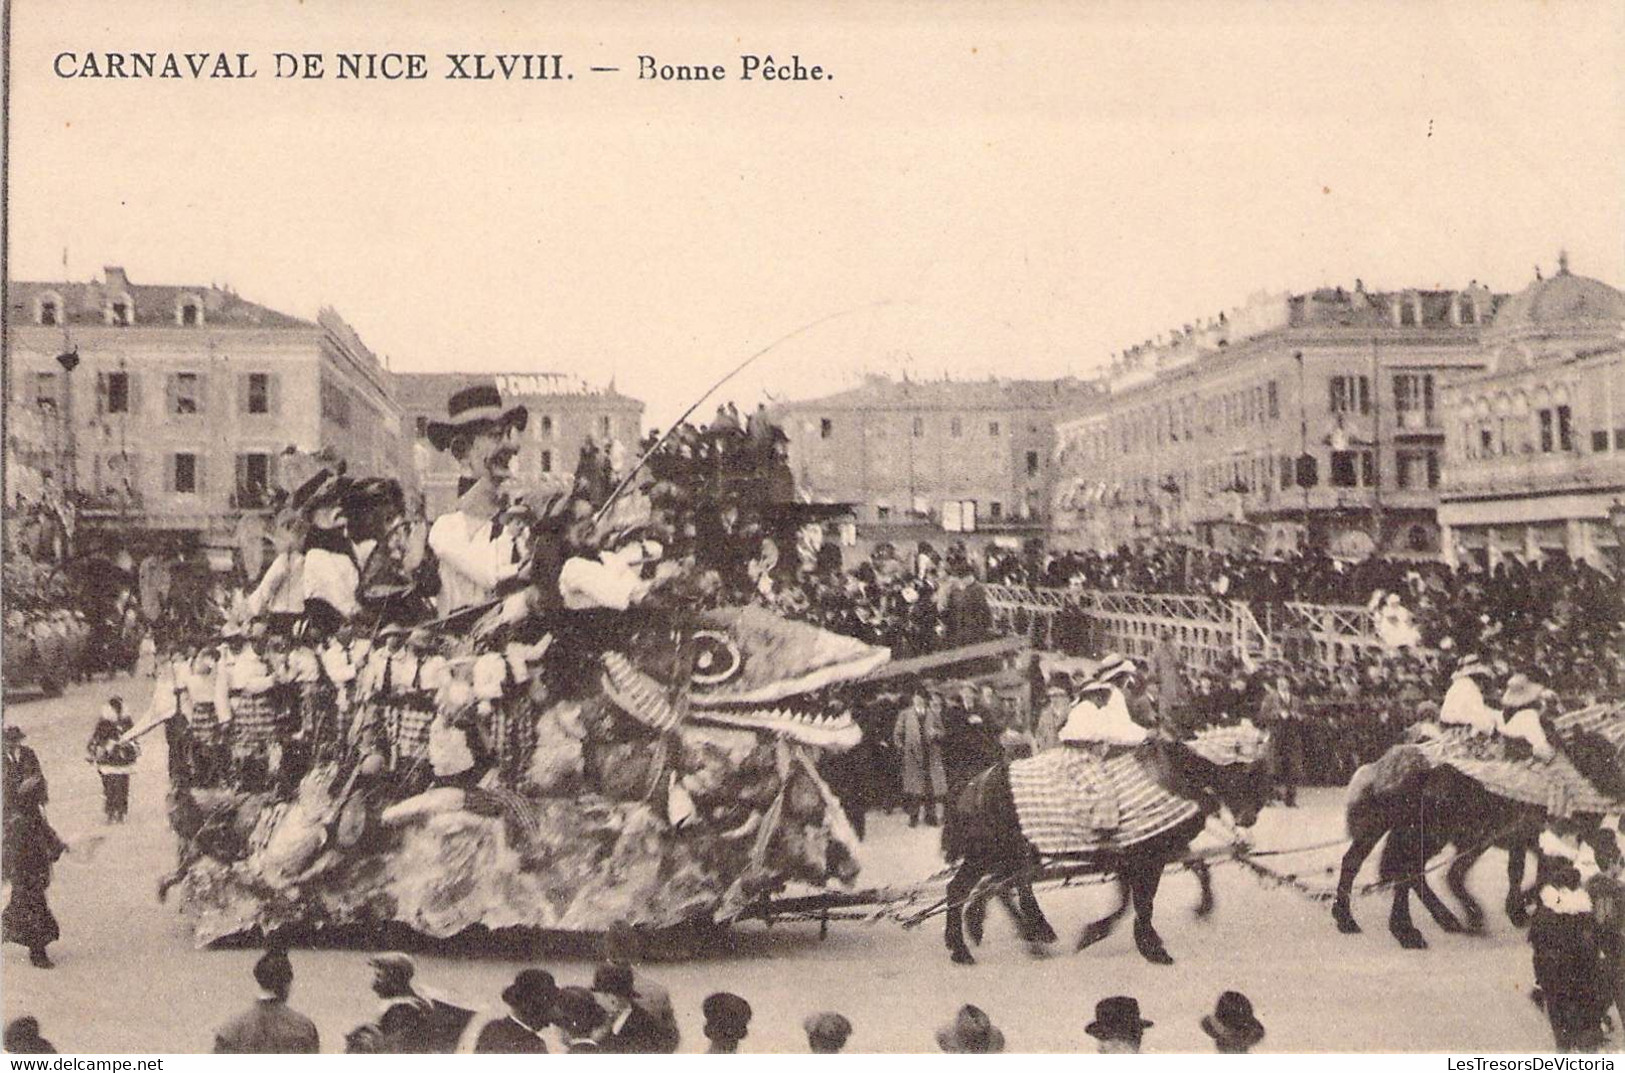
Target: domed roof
x,y
1564,301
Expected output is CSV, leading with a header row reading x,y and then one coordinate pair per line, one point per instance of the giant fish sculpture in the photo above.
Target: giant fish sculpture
x,y
659,767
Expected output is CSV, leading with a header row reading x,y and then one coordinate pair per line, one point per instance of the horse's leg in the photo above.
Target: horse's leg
x,y
1103,927
1517,903
976,918
1439,911
959,889
1456,879
1359,849
1038,929
1204,879
1402,861
1143,883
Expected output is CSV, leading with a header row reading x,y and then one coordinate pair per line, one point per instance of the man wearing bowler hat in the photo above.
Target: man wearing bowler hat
x,y
476,553
530,1000
1118,1027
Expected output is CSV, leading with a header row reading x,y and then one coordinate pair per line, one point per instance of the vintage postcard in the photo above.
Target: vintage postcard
x,y
897,527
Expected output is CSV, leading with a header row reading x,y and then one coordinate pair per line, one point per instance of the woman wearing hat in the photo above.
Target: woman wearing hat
x,y
475,555
1523,706
1232,1024
1464,703
1118,1027
1101,714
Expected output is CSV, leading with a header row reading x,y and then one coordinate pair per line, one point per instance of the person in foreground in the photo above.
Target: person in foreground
x,y
1118,1027
970,1032
727,1022
530,999
1233,1025
269,1026
827,1033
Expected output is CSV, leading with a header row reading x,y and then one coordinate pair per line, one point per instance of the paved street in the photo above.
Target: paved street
x,y
129,978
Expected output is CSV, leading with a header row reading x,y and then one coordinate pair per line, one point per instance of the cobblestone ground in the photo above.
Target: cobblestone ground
x,y
129,979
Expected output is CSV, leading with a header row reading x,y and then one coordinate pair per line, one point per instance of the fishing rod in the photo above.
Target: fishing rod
x,y
626,482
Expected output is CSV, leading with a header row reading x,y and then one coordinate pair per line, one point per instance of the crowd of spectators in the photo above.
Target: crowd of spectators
x,y
622,1011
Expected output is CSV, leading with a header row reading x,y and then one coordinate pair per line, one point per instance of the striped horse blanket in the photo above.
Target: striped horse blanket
x,y
1556,785
1069,800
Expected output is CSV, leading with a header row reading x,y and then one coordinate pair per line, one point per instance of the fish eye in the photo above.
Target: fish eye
x,y
716,658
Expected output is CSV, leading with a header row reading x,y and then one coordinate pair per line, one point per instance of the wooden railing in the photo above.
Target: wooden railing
x,y
1204,629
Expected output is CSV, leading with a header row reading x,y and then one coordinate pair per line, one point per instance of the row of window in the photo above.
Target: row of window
x,y
1416,469
1156,427
119,311
1160,426
956,428
185,393
543,427
1551,430
186,473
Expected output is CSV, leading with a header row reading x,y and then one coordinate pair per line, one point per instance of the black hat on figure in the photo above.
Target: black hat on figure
x,y
1118,1018
476,406
1232,1021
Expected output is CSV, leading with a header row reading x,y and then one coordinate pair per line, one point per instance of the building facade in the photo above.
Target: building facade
x,y
1536,442
917,459
1296,418
565,415
164,410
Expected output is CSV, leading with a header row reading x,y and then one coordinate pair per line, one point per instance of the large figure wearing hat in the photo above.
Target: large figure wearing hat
x,y
1464,703
1101,714
476,553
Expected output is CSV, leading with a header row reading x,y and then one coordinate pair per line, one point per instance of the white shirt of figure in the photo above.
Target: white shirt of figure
x,y
282,589
1464,706
1525,726
331,577
472,561
1109,722
336,664
590,583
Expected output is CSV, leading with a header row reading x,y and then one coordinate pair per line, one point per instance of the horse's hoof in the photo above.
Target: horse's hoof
x,y
962,957
1092,935
1039,950
1519,916
1451,926
1346,922
1157,956
1045,934
1411,940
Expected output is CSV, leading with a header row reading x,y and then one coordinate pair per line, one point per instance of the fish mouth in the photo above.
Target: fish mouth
x,y
644,699
810,725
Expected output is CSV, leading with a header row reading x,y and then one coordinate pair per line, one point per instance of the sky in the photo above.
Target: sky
x,y
1017,189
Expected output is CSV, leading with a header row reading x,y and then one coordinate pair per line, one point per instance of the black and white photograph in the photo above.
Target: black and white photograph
x,y
889,528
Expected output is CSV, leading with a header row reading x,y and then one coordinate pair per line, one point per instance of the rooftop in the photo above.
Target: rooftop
x,y
1563,302
877,392
154,305
429,391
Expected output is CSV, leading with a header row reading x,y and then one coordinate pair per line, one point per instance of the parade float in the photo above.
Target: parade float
x,y
517,764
